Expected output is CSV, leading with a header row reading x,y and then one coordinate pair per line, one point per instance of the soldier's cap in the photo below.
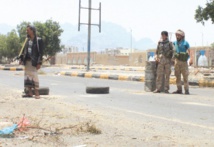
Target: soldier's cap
x,y
180,32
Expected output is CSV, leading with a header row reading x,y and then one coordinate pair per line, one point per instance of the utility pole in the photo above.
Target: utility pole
x,y
131,41
202,37
89,34
170,34
89,26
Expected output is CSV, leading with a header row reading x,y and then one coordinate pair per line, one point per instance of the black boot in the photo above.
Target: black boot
x,y
166,91
178,92
187,92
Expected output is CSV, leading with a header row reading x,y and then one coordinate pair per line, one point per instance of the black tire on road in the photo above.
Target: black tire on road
x,y
97,90
42,91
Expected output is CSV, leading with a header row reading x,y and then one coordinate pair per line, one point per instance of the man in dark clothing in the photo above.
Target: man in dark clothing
x,y
32,60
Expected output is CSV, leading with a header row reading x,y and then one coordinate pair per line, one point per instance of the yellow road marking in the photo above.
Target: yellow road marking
x,y
104,76
123,78
88,75
13,69
74,74
62,73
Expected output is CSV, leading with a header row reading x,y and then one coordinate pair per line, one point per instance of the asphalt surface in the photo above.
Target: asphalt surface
x,y
57,70
125,95
193,112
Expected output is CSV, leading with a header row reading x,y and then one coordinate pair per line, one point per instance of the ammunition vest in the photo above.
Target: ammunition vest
x,y
165,49
182,56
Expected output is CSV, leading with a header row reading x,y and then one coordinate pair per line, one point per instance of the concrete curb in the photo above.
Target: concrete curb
x,y
12,68
200,83
104,76
207,82
106,68
191,82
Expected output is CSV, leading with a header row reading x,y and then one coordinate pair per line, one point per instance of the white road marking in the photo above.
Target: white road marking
x,y
166,119
197,104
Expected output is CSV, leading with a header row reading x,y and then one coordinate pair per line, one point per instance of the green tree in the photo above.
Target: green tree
x,y
21,28
206,13
212,45
50,32
3,45
9,45
13,45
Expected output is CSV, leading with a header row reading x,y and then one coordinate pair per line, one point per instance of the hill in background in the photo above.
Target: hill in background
x,y
112,36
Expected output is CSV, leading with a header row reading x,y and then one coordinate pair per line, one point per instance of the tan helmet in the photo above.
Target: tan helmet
x,y
180,32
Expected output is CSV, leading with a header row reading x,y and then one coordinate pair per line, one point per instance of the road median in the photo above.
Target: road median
x,y
110,68
104,76
12,68
203,82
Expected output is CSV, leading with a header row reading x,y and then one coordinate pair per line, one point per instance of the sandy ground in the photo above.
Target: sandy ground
x,y
55,123
52,123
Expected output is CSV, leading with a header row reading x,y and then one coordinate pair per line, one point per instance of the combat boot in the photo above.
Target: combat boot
x,y
178,92
157,91
187,92
166,91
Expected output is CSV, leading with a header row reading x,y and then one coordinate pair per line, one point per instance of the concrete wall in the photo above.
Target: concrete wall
x,y
138,59
111,60
102,59
134,59
208,53
80,58
122,60
61,59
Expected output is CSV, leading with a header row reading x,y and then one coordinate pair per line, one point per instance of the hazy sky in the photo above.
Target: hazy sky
x,y
147,18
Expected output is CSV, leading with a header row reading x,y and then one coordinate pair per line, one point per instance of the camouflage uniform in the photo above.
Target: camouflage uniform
x,y
164,55
181,67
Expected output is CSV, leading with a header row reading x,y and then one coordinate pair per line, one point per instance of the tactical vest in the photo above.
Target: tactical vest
x,y
182,56
165,49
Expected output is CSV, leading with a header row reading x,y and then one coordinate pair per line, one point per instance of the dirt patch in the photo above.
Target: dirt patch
x,y
60,122
52,122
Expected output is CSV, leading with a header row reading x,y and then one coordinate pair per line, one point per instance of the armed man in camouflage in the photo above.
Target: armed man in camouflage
x,y
164,54
181,66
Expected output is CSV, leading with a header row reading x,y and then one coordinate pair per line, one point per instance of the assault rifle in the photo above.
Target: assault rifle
x,y
21,51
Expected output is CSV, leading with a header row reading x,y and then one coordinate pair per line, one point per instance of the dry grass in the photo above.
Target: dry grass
x,y
93,129
41,132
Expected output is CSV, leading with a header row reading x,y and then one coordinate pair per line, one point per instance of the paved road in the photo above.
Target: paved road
x,y
178,116
57,70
